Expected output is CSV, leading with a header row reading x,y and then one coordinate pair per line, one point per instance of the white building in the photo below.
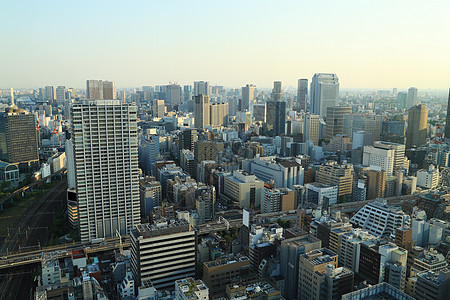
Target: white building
x,y
51,271
190,289
412,97
104,135
270,200
379,219
383,158
428,179
126,287
400,160
321,194
393,258
163,252
283,172
350,248
58,162
243,188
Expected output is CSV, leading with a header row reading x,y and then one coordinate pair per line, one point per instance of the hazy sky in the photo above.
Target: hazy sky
x,y
368,43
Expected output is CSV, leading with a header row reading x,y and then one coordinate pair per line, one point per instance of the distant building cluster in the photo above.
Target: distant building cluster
x,y
207,192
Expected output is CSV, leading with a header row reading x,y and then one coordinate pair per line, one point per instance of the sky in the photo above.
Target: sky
x,y
368,44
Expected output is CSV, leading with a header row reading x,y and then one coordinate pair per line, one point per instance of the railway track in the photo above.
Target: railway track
x,y
31,230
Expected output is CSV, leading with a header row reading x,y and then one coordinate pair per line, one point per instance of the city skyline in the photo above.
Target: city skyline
x,y
369,45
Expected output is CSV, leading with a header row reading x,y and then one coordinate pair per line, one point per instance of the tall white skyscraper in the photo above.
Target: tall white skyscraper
x,y
201,87
324,93
412,97
105,149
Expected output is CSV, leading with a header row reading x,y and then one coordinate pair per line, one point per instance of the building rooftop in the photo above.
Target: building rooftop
x,y
436,277
161,228
226,261
49,259
189,286
254,289
319,256
381,291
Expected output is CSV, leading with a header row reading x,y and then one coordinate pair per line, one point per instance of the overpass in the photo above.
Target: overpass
x,y
62,251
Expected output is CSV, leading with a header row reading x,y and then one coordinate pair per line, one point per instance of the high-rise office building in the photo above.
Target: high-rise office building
x,y
447,122
248,94
333,173
302,94
158,108
338,282
18,137
201,111
369,123
324,93
206,150
94,89
276,91
382,158
276,113
109,90
202,88
148,153
49,93
312,268
321,195
376,184
243,189
402,100
259,112
99,90
393,131
187,139
150,195
271,201
416,133
290,251
173,94
163,252
187,92
335,120
312,124
218,114
105,143
60,95
42,94
412,97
